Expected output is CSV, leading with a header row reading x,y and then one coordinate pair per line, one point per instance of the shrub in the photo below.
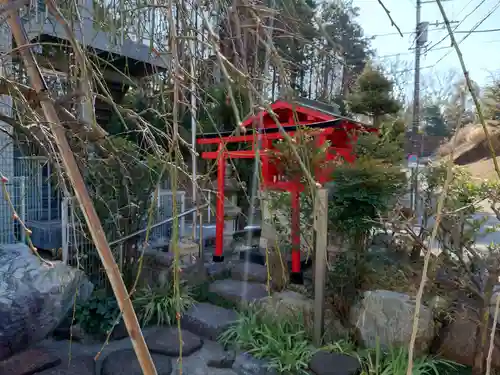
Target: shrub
x,y
98,314
393,361
161,304
282,342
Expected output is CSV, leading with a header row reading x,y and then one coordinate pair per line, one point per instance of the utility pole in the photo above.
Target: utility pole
x,y
421,30
421,37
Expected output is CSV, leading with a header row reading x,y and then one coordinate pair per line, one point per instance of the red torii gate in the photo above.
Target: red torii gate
x,y
325,125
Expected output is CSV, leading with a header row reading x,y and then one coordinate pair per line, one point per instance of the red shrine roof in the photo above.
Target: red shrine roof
x,y
300,112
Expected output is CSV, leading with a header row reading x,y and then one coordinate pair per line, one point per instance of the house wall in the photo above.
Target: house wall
x,y
6,145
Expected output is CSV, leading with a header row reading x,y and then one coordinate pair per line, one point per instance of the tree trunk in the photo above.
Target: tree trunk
x,y
483,327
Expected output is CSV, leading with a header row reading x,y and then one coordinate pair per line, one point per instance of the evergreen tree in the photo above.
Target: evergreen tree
x,y
372,95
294,33
435,123
491,100
344,37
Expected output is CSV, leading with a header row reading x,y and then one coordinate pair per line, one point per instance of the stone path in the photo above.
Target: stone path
x,y
201,354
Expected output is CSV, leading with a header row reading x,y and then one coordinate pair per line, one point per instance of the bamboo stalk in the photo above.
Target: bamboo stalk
x,y
86,205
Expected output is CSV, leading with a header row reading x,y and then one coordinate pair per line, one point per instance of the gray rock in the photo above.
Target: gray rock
x,y
207,320
166,341
83,365
195,274
457,340
246,271
71,349
239,292
156,267
218,270
198,364
34,298
62,331
382,240
388,316
325,363
217,356
119,331
125,362
29,362
74,332
246,364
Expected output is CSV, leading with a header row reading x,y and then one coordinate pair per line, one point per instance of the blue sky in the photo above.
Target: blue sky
x,y
481,50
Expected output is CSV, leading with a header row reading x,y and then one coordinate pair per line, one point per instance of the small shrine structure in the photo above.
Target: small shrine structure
x,y
325,125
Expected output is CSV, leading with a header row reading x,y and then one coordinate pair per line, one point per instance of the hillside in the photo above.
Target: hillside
x,y
472,149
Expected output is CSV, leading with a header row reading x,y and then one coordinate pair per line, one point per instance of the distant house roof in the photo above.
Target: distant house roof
x,y
332,109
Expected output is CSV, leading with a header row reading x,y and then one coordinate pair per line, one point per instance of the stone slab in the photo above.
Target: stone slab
x,y
207,320
216,356
246,271
81,365
125,361
185,247
246,364
166,341
288,303
325,363
239,292
29,362
198,364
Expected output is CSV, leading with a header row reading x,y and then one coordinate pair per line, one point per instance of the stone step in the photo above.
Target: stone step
x,y
246,271
125,362
257,255
207,320
165,341
239,293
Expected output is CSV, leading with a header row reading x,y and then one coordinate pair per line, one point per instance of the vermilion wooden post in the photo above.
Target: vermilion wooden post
x,y
219,209
296,276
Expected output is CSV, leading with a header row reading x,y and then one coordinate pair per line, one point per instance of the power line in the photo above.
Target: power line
x,y
391,34
456,27
413,32
444,47
463,8
471,31
476,31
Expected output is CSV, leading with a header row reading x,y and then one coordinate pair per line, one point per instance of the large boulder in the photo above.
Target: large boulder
x,y
388,316
34,298
458,339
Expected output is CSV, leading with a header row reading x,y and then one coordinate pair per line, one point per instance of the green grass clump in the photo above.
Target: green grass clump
x,y
282,342
394,361
158,304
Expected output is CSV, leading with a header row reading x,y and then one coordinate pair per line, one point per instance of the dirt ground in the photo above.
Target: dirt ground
x,y
483,169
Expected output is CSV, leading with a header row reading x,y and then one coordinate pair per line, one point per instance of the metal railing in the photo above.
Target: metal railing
x,y
166,221
78,248
209,194
10,230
